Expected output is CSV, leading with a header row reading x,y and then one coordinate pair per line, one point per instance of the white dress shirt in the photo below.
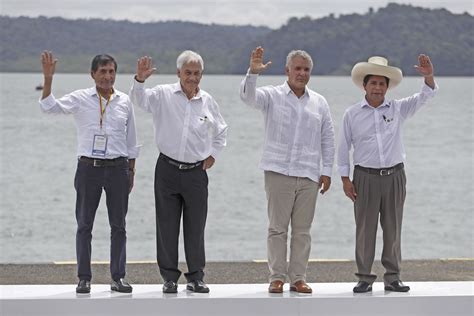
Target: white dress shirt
x,y
376,133
299,132
118,121
185,130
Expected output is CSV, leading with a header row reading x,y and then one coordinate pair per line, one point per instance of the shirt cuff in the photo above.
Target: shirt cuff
x,y
427,89
251,76
139,85
215,153
344,170
327,171
134,152
48,102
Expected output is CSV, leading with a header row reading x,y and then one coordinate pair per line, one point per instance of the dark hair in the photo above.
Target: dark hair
x,y
101,60
366,79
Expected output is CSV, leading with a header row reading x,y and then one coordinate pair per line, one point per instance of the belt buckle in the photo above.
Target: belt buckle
x,y
386,172
182,167
96,163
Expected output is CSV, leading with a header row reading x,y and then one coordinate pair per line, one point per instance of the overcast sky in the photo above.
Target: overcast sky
x,y
272,13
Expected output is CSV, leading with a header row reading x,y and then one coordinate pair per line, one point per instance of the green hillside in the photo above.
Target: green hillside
x,y
399,32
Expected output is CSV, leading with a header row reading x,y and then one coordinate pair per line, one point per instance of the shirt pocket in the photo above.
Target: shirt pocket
x,y
204,125
390,124
118,120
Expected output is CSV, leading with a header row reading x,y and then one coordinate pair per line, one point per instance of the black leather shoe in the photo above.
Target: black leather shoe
x,y
397,286
120,286
170,287
362,287
83,287
197,286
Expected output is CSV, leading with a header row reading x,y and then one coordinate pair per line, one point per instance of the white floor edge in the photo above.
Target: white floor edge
x,y
425,298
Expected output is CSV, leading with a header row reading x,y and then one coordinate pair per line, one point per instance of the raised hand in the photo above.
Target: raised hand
x,y
48,62
144,68
256,61
424,67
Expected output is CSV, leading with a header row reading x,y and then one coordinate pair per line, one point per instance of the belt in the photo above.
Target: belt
x,y
179,164
103,162
381,172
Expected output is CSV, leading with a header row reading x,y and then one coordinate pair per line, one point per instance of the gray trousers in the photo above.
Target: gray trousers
x,y
384,195
290,199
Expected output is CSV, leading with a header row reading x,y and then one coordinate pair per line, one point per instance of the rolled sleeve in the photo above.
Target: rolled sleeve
x,y
64,105
47,103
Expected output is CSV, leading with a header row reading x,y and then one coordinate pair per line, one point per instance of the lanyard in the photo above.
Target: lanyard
x,y
102,108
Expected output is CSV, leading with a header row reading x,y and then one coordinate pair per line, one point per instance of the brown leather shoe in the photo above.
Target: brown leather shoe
x,y
276,286
301,287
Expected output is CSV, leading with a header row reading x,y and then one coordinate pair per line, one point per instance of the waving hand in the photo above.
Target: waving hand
x,y
144,68
426,69
256,61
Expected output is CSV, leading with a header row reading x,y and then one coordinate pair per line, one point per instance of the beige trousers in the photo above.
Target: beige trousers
x,y
290,199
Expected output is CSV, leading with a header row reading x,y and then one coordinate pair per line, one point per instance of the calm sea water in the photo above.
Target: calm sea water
x,y
38,162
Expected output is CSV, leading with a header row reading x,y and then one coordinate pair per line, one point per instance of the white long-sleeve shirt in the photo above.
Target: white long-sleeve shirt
x,y
185,130
299,133
118,121
376,133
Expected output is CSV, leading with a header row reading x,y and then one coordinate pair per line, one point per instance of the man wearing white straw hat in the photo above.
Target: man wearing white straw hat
x,y
373,128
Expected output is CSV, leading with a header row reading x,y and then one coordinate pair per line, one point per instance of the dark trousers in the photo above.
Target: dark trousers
x,y
180,192
89,182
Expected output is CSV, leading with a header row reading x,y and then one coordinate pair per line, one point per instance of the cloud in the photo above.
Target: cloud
x,y
272,13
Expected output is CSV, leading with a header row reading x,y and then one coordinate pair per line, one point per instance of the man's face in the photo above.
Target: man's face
x,y
190,75
104,76
375,90
298,72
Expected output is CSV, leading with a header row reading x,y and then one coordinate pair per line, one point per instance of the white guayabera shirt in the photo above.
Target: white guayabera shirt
x,y
299,133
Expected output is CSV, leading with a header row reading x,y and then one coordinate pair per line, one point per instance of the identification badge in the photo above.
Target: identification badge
x,y
99,146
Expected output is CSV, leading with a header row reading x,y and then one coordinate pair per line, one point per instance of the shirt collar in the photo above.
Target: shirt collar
x,y
287,89
364,103
93,92
177,88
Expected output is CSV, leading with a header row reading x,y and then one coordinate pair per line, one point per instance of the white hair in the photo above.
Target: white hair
x,y
298,53
188,56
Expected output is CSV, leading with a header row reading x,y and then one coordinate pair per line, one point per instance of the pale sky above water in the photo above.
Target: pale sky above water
x,y
272,13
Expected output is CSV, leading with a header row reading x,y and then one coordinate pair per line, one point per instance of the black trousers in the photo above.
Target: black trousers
x,y
89,183
180,192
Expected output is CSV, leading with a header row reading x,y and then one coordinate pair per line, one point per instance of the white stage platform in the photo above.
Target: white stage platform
x,y
425,298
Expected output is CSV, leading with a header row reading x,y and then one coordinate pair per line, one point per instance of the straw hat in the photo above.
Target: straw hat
x,y
377,66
